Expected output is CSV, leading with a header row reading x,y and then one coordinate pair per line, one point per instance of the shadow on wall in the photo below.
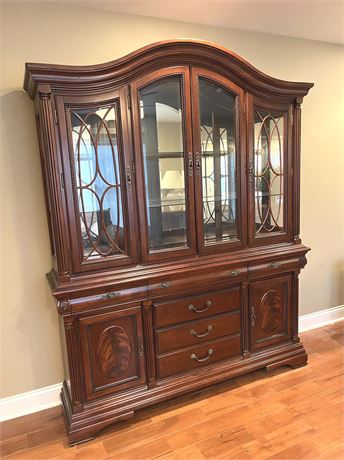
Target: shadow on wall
x,y
31,343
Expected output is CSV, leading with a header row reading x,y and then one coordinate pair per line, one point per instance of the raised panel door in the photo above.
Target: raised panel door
x,y
113,353
270,311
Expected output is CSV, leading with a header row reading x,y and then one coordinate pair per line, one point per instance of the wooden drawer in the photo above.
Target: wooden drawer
x,y
108,298
194,307
191,358
195,332
275,266
221,278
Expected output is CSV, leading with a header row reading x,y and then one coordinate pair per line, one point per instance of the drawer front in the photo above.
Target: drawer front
x,y
167,285
194,357
195,307
195,332
275,266
109,298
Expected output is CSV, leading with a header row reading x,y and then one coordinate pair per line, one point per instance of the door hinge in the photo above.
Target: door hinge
x,y
55,116
62,180
140,350
253,316
129,101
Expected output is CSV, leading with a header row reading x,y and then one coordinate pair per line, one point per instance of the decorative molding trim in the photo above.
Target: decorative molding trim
x,y
44,398
29,402
321,318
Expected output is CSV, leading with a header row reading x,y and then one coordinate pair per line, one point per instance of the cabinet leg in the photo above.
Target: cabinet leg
x,y
84,426
294,362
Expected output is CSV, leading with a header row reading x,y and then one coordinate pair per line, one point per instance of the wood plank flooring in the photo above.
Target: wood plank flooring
x,y
284,414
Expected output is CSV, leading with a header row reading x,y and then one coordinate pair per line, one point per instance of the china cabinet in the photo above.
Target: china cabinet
x,y
172,191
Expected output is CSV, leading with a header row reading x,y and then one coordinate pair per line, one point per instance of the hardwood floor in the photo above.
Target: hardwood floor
x,y
283,414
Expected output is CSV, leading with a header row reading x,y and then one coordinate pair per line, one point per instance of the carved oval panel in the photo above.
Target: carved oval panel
x,y
270,312
114,351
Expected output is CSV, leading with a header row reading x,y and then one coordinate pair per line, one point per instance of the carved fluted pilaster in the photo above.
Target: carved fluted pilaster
x,y
46,127
74,360
149,342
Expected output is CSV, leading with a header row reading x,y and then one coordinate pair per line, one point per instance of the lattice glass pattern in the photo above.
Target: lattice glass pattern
x,y
218,145
268,172
98,180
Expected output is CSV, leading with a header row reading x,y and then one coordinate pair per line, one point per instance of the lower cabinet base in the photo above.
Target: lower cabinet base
x,y
84,422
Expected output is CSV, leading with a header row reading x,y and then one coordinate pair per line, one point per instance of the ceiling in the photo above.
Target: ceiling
x,y
321,20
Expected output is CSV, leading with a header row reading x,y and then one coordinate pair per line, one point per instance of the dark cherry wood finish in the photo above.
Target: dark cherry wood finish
x,y
144,326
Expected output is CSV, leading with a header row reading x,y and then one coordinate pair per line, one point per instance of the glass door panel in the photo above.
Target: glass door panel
x,y
163,157
98,179
167,205
217,139
270,159
218,147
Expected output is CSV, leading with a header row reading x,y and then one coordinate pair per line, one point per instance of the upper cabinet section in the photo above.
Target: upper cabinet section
x,y
179,149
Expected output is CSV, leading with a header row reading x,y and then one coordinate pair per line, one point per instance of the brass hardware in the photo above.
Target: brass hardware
x,y
200,360
165,284
233,273
198,163
193,332
253,316
251,170
208,304
190,164
128,176
110,295
275,264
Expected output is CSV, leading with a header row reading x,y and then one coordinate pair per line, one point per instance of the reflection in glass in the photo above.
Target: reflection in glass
x,y
163,156
218,144
98,181
268,166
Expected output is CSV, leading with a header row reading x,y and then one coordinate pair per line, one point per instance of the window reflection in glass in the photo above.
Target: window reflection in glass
x,y
98,181
163,155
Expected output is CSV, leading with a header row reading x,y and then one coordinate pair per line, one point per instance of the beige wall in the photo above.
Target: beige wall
x,y
30,347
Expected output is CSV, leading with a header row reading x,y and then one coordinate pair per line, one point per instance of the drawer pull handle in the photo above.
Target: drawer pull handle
x,y
193,332
208,304
165,284
233,273
110,295
201,360
275,264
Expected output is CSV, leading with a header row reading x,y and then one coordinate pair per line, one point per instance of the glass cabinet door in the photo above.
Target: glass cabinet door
x,y
269,161
217,127
166,207
100,180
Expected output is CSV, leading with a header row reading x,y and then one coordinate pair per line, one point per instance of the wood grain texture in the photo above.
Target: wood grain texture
x,y
265,415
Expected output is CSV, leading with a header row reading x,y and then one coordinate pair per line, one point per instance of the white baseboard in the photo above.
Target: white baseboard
x,y
321,318
29,402
44,398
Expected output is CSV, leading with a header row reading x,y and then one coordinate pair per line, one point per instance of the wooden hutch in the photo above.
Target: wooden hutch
x,y
172,184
